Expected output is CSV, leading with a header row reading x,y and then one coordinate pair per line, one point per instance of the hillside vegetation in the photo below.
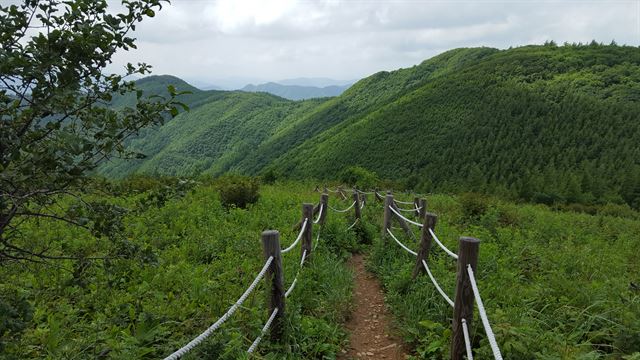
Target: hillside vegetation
x,y
555,285
549,124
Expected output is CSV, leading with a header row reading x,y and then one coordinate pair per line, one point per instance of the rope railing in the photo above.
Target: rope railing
x,y
410,210
483,316
435,283
354,224
264,330
200,338
295,280
467,341
319,214
404,218
449,252
303,228
401,244
341,211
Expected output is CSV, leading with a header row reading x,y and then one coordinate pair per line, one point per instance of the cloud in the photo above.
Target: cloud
x,y
209,40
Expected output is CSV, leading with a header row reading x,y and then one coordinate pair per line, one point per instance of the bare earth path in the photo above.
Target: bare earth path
x,y
369,324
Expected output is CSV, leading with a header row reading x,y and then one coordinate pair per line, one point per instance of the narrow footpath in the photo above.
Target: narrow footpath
x,y
370,322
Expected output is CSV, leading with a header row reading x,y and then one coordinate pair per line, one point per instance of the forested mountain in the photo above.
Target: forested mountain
x,y
543,123
296,92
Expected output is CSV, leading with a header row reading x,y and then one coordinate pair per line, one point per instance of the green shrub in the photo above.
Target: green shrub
x,y
238,191
473,205
359,176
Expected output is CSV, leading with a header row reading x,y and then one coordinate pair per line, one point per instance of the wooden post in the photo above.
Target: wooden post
x,y
356,198
422,204
416,205
275,276
363,198
324,201
463,303
307,212
388,202
425,243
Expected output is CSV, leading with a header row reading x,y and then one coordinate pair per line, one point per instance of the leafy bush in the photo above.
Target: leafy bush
x,y
359,176
473,205
238,191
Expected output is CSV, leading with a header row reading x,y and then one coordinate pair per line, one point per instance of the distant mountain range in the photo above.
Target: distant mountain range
x,y
544,123
297,92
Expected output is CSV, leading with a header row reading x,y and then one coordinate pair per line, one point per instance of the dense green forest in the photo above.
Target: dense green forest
x,y
549,124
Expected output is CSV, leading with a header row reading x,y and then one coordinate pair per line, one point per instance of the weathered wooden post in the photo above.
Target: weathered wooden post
x,y
356,198
425,243
463,303
386,224
422,204
324,202
307,212
416,205
274,276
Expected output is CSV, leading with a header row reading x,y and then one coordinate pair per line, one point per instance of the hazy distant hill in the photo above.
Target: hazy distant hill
x,y
544,123
296,92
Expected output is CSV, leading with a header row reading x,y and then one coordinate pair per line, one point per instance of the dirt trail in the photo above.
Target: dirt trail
x,y
369,324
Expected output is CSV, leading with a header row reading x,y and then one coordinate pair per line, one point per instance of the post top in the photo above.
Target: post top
x,y
429,214
270,233
468,239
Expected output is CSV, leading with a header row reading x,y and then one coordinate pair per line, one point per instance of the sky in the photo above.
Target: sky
x,y
230,43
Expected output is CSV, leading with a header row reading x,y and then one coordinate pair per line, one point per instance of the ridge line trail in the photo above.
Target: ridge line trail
x,y
368,326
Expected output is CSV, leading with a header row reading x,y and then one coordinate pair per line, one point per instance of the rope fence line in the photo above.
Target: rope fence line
x,y
354,224
303,228
449,252
483,315
404,218
403,202
401,244
295,280
467,259
200,338
467,341
319,214
410,210
435,283
265,328
341,211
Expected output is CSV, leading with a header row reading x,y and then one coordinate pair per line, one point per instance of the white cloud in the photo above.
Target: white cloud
x,y
207,40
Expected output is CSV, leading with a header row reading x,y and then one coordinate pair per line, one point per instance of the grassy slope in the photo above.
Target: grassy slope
x,y
556,285
199,260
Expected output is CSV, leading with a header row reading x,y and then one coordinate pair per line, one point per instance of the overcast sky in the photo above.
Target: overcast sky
x,y
232,42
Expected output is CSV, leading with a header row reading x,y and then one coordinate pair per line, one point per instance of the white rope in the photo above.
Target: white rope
x,y
302,229
467,342
483,315
295,280
435,283
403,202
317,238
195,342
354,224
401,244
265,328
404,218
319,214
453,255
367,192
418,208
362,206
345,210
409,210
